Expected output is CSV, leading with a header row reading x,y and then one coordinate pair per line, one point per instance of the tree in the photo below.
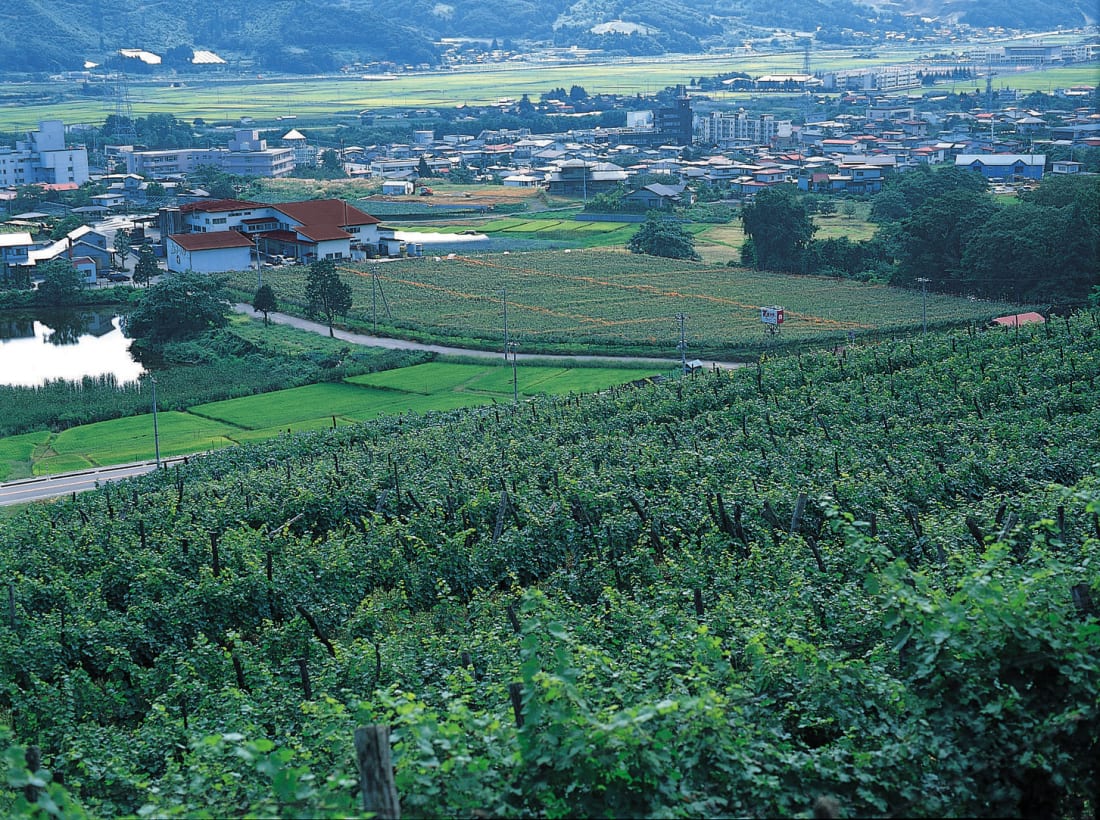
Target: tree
x,y
779,227
62,228
180,306
423,170
327,296
264,301
934,236
122,247
330,162
848,209
663,237
146,267
61,284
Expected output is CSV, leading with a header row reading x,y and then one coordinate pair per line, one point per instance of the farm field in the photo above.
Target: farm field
x,y
866,580
215,425
577,233
569,301
265,98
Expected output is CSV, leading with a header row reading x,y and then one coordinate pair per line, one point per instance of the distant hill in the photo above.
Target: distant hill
x,y
307,37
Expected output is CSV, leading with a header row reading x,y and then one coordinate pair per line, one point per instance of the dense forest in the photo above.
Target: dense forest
x,y
296,36
862,575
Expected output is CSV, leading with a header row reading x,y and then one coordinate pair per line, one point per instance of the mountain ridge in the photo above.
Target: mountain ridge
x,y
298,36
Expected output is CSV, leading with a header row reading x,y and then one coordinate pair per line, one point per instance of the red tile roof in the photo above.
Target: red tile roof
x,y
211,241
326,212
322,233
1019,319
213,205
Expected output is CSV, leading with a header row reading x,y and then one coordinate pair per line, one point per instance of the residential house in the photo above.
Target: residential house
x,y
1004,166
14,248
1066,167
659,197
578,177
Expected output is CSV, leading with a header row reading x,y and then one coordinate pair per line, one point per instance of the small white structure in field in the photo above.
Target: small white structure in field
x,y
772,317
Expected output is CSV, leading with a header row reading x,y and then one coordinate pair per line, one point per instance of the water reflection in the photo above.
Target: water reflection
x,y
70,345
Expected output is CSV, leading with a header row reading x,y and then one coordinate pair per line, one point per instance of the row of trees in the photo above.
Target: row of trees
x,y
187,304
946,227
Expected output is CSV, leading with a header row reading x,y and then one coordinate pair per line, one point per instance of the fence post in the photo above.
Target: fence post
x,y
376,783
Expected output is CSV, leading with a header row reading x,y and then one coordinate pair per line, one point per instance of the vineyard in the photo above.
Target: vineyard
x,y
214,425
865,576
599,300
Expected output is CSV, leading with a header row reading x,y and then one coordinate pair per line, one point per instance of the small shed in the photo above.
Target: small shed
x,y
1017,319
397,187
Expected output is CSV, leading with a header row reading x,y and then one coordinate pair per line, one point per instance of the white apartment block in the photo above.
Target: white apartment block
x,y
729,128
43,157
247,155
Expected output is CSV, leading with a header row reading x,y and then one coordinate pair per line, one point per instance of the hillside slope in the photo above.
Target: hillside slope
x,y
295,35
867,574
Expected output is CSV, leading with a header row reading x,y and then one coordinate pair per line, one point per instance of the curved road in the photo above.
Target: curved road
x,y
37,489
402,344
42,488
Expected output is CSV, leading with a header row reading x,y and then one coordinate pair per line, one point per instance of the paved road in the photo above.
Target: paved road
x,y
402,344
37,489
46,487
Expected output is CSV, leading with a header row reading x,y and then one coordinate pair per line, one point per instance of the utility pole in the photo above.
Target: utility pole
x,y
515,380
156,432
924,303
374,300
681,318
504,299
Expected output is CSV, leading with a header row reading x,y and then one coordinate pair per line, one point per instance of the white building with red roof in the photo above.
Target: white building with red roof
x,y
209,252
304,231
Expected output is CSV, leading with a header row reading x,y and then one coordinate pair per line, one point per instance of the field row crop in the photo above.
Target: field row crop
x,y
214,425
624,301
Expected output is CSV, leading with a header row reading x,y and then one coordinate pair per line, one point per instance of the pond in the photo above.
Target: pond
x,y
42,347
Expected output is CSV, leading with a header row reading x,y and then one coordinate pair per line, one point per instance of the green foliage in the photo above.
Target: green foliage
x,y
180,306
893,547
780,227
146,267
660,236
264,301
327,295
61,285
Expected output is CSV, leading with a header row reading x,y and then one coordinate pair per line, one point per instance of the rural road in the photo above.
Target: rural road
x,y
27,490
45,487
402,344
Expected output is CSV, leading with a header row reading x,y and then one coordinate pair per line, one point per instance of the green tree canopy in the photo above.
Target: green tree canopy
x,y
180,306
61,285
934,235
779,225
327,296
663,237
146,267
264,301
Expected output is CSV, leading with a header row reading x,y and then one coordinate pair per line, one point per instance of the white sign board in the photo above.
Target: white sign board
x,y
771,315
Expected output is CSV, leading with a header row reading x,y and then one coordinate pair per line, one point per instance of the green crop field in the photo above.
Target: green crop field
x,y
264,98
565,301
214,425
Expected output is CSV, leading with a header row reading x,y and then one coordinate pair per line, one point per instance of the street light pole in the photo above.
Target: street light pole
x,y
924,304
156,432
